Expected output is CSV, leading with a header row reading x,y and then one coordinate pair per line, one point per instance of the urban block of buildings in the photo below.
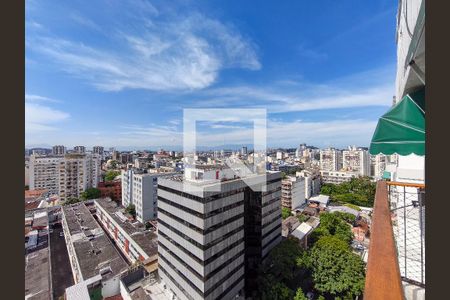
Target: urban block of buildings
x,y
96,263
132,238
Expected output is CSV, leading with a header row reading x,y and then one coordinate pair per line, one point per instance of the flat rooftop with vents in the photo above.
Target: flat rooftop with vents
x,y
90,250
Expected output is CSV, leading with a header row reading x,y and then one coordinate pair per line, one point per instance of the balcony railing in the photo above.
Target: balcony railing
x,y
396,251
407,204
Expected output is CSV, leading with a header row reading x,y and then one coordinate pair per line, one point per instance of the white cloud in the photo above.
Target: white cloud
x,y
174,122
338,133
40,118
37,98
370,88
325,133
170,53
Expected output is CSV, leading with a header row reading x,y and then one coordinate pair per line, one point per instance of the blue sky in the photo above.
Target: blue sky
x,y
120,73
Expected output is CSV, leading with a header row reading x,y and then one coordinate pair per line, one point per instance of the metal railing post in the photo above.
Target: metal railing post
x,y
419,191
404,231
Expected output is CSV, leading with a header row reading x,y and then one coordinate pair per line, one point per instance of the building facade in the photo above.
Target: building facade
x,y
78,172
293,192
378,165
67,176
330,159
337,177
79,149
133,240
212,238
98,150
356,160
140,189
58,150
44,173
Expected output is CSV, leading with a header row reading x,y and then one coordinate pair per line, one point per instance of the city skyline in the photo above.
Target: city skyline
x,y
127,88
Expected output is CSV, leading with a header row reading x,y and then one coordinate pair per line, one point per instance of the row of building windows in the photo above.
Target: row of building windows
x,y
198,260
200,230
210,290
203,200
198,214
197,244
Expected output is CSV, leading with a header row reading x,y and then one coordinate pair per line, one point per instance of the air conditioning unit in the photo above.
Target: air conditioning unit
x,y
105,270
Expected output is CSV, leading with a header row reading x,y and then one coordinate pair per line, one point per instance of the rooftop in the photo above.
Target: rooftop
x,y
146,239
37,275
322,199
302,230
93,249
35,193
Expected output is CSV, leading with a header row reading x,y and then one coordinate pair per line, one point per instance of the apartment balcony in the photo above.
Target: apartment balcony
x,y
396,264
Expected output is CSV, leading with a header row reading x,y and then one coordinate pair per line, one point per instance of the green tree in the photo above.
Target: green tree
x,y
347,217
282,260
336,271
110,175
355,207
358,191
131,209
299,295
302,218
275,290
71,200
285,212
91,193
332,224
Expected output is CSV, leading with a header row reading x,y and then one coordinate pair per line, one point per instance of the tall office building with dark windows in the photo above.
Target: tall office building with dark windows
x,y
213,236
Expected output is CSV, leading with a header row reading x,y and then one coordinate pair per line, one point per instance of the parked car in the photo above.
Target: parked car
x,y
61,234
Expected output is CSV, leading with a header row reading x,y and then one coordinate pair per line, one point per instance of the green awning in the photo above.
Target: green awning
x,y
402,129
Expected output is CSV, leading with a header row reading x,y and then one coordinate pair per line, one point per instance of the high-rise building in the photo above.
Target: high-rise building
x,y
299,150
67,176
98,150
78,172
213,237
140,189
44,172
58,150
378,167
244,151
293,192
330,159
79,149
115,155
279,155
356,160
126,158
312,181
